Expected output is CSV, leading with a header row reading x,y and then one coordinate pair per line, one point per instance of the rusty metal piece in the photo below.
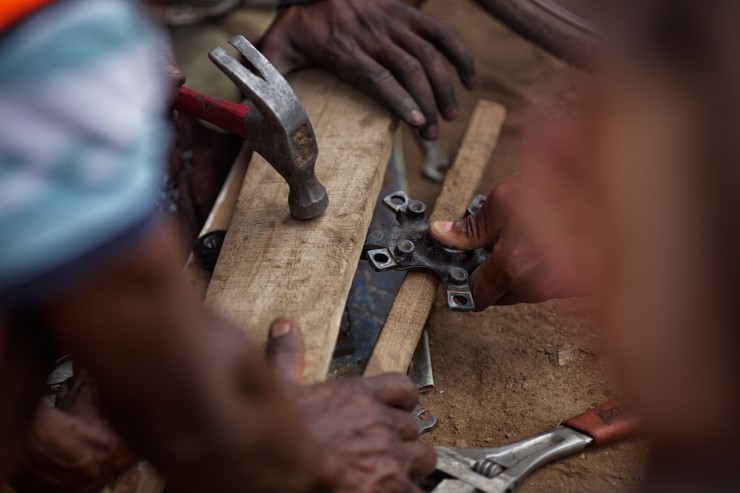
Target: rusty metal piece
x,y
409,246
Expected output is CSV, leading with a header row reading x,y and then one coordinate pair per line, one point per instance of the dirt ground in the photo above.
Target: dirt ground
x,y
508,372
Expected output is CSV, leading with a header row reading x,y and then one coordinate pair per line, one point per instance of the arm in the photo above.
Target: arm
x,y
181,385
190,392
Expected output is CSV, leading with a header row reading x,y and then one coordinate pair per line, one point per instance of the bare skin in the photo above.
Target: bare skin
x,y
388,48
72,446
191,393
538,225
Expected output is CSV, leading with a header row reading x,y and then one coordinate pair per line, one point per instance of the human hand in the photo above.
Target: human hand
x,y
72,447
364,424
388,48
537,248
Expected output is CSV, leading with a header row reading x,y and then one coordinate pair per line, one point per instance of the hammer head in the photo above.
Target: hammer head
x,y
278,128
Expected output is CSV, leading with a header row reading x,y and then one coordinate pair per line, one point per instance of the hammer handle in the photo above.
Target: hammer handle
x,y
606,423
223,114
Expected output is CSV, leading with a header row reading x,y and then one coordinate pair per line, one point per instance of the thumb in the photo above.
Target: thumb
x,y
479,230
285,349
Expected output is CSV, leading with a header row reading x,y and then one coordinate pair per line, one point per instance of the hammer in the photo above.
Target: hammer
x,y
274,123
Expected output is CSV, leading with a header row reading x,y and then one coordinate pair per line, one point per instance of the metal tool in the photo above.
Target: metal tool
x,y
425,421
436,161
501,469
410,247
275,123
420,370
63,369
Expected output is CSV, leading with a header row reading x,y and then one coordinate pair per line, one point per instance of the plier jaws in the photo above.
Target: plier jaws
x,y
500,469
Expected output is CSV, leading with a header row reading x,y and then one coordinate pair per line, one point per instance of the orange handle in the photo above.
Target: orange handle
x,y
606,423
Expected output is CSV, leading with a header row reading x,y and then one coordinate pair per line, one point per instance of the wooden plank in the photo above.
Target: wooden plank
x,y
219,218
273,265
405,322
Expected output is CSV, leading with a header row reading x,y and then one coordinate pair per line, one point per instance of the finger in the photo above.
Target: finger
x,y
406,426
423,459
434,68
280,51
285,348
480,230
410,73
393,389
378,81
448,43
488,283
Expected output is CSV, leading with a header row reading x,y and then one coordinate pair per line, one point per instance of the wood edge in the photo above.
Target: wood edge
x,y
396,344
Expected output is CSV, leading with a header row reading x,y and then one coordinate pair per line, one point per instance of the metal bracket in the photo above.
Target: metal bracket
x,y
409,246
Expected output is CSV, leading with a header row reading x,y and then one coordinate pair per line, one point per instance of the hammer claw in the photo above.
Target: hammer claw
x,y
264,68
246,81
279,130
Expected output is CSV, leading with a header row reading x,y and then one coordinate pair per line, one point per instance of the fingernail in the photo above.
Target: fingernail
x,y
442,226
416,118
280,329
432,132
451,113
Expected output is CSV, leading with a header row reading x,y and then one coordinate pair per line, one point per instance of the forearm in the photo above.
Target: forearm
x,y
24,363
183,387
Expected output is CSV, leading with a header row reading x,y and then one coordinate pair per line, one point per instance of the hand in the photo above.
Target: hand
x,y
363,423
72,447
385,47
535,239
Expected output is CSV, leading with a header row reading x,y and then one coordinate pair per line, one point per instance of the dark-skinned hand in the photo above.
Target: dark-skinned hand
x,y
364,424
72,447
388,48
538,247
540,225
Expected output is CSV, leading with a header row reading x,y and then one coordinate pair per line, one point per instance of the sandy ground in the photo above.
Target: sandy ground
x,y
508,372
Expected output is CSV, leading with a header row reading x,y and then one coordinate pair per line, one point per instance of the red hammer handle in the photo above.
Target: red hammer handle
x,y
223,114
609,422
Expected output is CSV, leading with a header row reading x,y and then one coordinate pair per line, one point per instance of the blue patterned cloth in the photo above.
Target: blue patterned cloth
x,y
83,137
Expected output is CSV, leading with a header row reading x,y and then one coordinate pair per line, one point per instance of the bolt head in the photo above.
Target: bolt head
x,y
405,247
416,209
459,275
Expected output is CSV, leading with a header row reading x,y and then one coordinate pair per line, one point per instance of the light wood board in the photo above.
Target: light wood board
x,y
405,322
219,218
272,265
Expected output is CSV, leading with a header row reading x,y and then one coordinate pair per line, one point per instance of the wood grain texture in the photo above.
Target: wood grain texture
x,y
402,329
273,265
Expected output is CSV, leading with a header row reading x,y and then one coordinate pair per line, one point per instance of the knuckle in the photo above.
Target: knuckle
x,y
472,227
379,77
410,65
427,51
